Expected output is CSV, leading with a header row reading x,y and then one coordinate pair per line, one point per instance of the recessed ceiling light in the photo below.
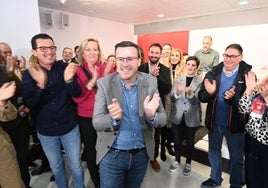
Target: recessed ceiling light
x,y
90,11
243,2
160,15
86,2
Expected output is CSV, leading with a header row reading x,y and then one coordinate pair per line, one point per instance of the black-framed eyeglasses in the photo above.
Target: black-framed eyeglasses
x,y
45,48
127,59
230,56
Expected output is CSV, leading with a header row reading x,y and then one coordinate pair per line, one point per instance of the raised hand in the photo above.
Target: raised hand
x,y
38,74
210,87
180,88
22,63
188,90
7,90
151,105
154,71
264,90
229,93
251,82
115,110
10,64
70,71
95,75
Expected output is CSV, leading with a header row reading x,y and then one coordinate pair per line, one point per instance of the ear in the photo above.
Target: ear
x,y
34,52
139,61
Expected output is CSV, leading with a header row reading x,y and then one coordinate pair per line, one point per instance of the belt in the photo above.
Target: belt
x,y
131,151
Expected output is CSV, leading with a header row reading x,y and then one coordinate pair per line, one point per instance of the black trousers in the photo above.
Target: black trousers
x,y
256,163
181,132
89,137
18,136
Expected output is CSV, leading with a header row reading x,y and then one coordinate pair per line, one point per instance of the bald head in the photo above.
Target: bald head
x,y
5,50
207,42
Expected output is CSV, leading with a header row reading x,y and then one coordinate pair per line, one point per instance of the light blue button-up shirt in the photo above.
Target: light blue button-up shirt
x,y
130,132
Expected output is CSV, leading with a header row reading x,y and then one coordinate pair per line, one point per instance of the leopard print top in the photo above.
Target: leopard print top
x,y
257,126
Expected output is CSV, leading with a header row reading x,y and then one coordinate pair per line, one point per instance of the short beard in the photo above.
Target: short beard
x,y
153,62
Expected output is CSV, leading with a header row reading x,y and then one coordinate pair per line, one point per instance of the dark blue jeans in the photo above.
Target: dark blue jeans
x,y
235,143
120,169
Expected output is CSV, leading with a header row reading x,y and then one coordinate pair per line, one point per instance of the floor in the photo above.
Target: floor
x,y
153,179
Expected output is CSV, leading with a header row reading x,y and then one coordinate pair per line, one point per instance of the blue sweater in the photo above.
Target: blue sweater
x,y
53,110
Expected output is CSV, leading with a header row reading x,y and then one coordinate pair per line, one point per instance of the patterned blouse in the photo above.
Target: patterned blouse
x,y
257,125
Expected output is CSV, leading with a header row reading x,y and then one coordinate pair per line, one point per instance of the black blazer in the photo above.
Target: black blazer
x,y
163,80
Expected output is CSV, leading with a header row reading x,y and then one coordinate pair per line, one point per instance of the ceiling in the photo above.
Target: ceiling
x,y
145,11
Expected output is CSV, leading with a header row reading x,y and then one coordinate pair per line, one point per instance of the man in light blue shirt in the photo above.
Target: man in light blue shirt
x,y
126,110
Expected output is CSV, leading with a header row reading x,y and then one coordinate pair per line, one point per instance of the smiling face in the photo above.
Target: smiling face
x,y
191,68
154,54
45,52
175,57
91,52
67,54
231,59
128,62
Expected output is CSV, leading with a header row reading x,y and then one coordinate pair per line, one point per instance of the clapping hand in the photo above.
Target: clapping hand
x,y
151,105
210,87
38,74
70,71
154,71
251,82
229,93
7,90
264,90
115,110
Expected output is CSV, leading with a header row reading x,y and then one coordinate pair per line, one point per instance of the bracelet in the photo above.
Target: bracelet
x,y
92,83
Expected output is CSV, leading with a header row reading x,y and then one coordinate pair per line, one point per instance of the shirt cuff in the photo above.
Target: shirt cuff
x,y
154,121
114,122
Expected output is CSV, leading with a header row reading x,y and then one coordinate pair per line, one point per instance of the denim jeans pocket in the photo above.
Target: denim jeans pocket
x,y
112,154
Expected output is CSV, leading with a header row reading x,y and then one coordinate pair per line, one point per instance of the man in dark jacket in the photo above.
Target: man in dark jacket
x,y
48,90
222,87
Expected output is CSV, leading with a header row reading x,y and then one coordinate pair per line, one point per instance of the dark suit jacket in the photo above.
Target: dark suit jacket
x,y
109,87
163,80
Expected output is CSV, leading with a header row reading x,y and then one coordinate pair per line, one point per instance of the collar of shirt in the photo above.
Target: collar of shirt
x,y
123,85
208,52
233,72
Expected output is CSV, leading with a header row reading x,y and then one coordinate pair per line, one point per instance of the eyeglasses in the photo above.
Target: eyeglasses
x,y
127,59
45,48
230,56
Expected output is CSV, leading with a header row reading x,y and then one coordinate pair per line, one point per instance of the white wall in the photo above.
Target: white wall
x,y
231,19
19,22
252,38
108,33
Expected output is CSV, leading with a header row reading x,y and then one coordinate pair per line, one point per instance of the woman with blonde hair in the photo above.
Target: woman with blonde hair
x,y
177,68
177,65
90,70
